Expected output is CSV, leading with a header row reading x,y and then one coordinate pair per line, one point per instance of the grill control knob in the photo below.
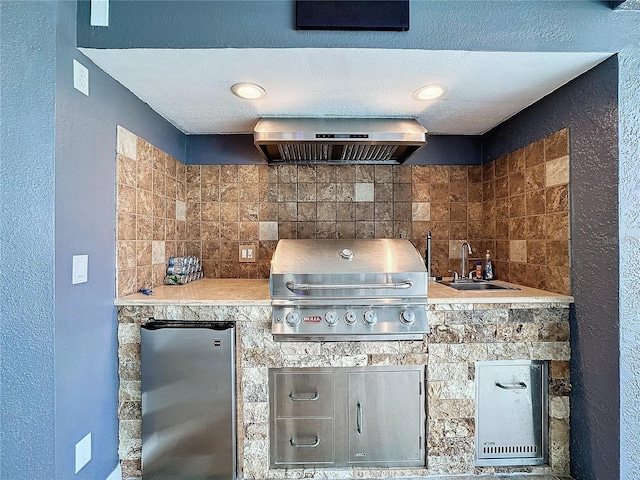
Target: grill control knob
x,y
331,318
350,318
293,319
369,317
407,317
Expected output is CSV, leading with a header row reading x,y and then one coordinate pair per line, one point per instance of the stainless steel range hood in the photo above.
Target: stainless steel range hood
x,y
338,140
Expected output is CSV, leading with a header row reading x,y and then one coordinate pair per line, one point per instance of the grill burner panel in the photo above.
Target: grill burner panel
x,y
346,290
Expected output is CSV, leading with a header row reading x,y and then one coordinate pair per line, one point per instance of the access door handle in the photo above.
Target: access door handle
x,y
311,398
305,445
359,418
512,386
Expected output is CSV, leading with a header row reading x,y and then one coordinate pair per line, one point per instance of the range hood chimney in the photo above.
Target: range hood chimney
x,y
338,141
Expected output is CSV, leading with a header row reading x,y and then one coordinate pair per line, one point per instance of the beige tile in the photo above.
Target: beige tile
x,y
126,142
557,171
420,211
518,251
364,192
158,252
268,231
181,210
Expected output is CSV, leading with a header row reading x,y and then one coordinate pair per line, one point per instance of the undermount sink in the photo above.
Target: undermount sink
x,y
478,285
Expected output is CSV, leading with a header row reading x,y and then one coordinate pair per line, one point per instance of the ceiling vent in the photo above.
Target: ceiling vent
x,y
338,140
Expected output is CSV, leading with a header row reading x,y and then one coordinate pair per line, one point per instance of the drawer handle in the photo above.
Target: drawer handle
x,y
305,445
359,418
512,386
311,398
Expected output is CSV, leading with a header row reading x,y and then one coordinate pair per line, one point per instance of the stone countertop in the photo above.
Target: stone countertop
x,y
231,291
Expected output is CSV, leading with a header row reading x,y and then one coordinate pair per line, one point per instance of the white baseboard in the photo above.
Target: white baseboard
x,y
116,474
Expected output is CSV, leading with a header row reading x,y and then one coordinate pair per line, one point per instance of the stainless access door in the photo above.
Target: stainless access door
x,y
188,400
386,416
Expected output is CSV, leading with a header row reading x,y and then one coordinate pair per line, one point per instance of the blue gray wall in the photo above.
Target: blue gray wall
x,y
588,106
57,190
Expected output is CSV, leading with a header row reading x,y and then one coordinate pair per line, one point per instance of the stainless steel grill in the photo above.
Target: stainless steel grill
x,y
335,290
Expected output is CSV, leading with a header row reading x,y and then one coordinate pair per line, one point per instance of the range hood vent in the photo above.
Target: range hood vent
x,y
338,140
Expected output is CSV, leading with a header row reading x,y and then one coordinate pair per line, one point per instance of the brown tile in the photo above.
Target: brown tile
x,y
402,174
534,177
306,230
326,230
502,228
229,251
143,202
516,160
346,174
402,211
126,171
440,192
230,231
502,166
440,173
365,212
229,270
326,192
267,174
229,192
557,253
143,253
534,153
475,229
402,230
474,192
458,192
345,211
209,231
144,227
345,192
536,252
458,173
534,227
172,187
501,252
287,212
306,212
159,225
248,211
144,277
439,212
458,211
248,174
488,190
421,192
170,233
420,174
287,229
345,230
210,212
268,192
144,176
383,229
383,192
557,198
474,174
365,229
556,226
516,183
489,228
517,228
249,231
325,174
558,279
306,174
535,202
248,270
488,171
306,192
211,250
287,174
518,272
229,174
126,199
474,211
158,182
209,174
383,174
420,229
180,230
126,254
489,210
502,207
326,212
536,276
440,231
517,206
249,192
228,212
559,369
557,144
502,187
458,230
159,206
365,173
383,211
402,192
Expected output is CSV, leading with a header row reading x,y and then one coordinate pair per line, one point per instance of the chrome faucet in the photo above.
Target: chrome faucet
x,y
463,255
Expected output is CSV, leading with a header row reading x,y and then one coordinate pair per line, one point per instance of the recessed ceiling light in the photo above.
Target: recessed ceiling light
x,y
429,92
248,91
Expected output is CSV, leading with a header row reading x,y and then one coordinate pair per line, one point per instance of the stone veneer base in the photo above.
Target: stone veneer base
x,y
461,334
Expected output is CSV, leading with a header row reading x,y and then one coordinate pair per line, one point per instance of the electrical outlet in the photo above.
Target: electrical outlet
x,y
80,268
247,253
83,452
80,77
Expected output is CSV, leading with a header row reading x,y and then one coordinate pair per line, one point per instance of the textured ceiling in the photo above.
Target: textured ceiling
x,y
191,87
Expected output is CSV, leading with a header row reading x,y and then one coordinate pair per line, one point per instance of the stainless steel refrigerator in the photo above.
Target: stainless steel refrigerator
x,y
188,400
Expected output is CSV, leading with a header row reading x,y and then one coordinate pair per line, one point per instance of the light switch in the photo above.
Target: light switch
x,y
247,253
80,269
80,77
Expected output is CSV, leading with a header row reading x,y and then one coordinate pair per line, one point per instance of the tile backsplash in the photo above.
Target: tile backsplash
x,y
516,206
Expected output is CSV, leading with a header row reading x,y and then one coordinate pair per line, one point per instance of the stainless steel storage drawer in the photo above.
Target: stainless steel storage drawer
x,y
304,394
512,425
303,441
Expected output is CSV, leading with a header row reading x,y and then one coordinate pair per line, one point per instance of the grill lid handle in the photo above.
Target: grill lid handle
x,y
351,286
